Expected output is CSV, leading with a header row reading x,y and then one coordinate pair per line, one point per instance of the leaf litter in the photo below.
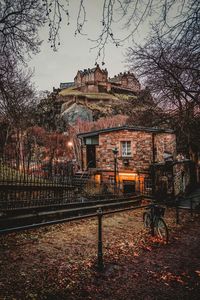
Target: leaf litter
x,y
59,262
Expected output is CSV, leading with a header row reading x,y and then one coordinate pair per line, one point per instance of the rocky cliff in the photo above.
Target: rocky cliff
x,y
73,104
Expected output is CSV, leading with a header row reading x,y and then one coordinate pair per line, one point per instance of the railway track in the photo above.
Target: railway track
x,y
44,214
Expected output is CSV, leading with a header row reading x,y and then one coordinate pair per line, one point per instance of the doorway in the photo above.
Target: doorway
x,y
129,186
91,156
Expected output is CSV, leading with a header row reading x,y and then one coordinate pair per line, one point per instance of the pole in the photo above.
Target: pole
x,y
191,207
153,166
82,163
100,250
115,175
177,211
115,151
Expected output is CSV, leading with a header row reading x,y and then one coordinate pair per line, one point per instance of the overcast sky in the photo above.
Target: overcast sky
x,y
51,68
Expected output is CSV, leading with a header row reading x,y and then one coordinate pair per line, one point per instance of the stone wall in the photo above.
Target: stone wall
x,y
165,143
133,84
89,88
182,178
97,75
141,150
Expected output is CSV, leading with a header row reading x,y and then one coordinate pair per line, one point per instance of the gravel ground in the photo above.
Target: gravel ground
x,y
59,262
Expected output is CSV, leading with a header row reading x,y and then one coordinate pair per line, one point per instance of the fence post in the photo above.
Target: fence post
x,y
100,251
191,207
177,211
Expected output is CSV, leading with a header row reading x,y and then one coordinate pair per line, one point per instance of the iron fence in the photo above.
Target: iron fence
x,y
35,173
35,184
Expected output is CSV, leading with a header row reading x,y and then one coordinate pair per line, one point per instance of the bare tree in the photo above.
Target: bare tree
x,y
20,21
171,70
17,95
171,18
17,103
19,24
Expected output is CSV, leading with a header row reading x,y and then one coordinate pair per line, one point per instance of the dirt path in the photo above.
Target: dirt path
x,y
58,262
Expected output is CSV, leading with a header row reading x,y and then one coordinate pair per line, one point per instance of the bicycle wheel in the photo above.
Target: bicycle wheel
x,y
162,230
147,220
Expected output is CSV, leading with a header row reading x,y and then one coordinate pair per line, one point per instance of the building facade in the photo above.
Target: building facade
x,y
136,149
126,81
96,80
93,76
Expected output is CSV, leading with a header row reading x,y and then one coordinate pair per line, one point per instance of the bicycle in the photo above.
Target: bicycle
x,y
153,219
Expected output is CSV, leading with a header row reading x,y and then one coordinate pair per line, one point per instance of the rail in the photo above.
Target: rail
x,y
99,215
32,216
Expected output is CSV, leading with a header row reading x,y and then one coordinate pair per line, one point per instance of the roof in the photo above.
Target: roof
x,y
65,85
89,71
119,77
126,127
172,162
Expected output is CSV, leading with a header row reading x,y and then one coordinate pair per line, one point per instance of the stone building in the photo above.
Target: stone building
x,y
126,81
137,149
173,177
89,79
96,80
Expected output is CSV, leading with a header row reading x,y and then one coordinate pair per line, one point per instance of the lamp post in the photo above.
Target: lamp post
x,y
115,152
71,170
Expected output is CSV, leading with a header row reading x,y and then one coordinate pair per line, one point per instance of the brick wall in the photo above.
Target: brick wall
x,y
141,150
165,142
182,177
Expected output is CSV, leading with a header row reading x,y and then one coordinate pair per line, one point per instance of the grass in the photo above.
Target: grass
x,y
74,92
125,97
101,96
8,174
69,92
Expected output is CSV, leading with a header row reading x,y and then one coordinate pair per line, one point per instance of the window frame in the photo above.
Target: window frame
x,y
121,149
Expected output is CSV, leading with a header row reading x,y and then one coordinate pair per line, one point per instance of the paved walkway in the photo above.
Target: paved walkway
x,y
194,197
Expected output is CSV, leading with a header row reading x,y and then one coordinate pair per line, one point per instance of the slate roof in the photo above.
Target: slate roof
x,y
119,77
65,85
126,127
89,71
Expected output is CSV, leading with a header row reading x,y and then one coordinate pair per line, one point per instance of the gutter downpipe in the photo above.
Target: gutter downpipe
x,y
153,162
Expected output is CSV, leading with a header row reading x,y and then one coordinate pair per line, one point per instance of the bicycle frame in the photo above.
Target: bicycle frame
x,y
155,212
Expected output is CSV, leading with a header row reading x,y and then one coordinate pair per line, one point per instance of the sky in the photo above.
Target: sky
x,y
74,53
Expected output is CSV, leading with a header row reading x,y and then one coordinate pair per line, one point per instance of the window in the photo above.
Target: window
x,y
111,180
126,148
94,140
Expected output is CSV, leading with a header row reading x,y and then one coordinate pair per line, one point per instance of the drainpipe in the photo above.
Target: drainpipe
x,y
82,164
153,148
153,162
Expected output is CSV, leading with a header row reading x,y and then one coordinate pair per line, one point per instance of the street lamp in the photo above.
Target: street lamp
x,y
70,144
71,149
115,152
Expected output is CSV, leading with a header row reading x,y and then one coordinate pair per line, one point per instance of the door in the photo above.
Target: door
x,y
91,156
129,186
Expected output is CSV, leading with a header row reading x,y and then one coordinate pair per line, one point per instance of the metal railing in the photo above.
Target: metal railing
x,y
35,173
99,215
34,184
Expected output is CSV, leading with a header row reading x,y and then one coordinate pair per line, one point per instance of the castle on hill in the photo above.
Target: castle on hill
x,y
96,80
